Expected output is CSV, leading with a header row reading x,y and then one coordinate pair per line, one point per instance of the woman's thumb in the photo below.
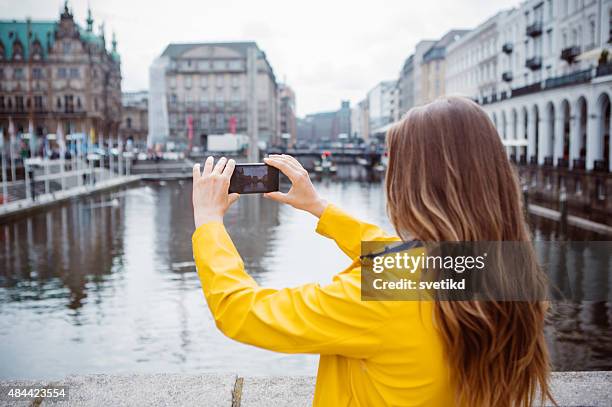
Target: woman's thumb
x,y
233,198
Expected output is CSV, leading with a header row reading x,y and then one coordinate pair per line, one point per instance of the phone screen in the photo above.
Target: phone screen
x,y
254,179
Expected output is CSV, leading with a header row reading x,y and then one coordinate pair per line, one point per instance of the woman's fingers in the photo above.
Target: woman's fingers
x,y
293,160
229,168
284,166
220,165
196,172
208,165
276,196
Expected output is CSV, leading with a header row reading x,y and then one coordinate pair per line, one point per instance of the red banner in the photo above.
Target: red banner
x,y
233,124
190,130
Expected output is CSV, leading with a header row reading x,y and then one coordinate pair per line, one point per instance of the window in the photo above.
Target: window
x,y
205,121
59,103
219,81
188,82
235,81
610,25
219,65
61,73
173,98
128,122
592,32
18,73
550,10
67,47
1,102
235,65
204,100
19,103
79,103
173,81
38,104
37,73
203,81
69,103
549,43
74,72
220,121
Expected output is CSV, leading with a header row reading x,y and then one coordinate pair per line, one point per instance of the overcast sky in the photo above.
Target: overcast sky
x,y
327,50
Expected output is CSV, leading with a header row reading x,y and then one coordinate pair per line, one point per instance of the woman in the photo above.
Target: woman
x,y
448,180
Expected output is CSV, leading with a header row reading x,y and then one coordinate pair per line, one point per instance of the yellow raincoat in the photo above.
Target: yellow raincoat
x,y
373,353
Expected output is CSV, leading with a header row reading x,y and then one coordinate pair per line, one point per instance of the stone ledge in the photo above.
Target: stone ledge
x,y
569,388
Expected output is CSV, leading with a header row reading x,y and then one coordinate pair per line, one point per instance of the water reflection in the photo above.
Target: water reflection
x,y
107,284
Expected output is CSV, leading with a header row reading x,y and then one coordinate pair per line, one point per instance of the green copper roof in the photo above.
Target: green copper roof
x,y
43,31
11,30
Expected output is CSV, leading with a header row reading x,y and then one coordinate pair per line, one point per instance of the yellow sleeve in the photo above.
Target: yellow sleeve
x,y
329,319
349,232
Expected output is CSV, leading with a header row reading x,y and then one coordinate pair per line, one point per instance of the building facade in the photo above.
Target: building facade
x,y
288,123
56,74
360,120
405,86
433,67
381,106
213,88
553,97
325,127
473,62
419,52
134,126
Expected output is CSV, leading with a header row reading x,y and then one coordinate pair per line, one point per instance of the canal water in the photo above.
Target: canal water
x,y
107,285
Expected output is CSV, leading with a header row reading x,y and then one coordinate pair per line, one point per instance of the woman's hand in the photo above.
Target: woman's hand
x,y
302,194
210,191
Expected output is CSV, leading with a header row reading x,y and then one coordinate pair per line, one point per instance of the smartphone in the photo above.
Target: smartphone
x,y
254,179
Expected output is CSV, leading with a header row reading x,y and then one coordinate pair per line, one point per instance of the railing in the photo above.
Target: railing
x,y
603,70
570,79
534,63
601,166
535,29
570,53
526,90
579,164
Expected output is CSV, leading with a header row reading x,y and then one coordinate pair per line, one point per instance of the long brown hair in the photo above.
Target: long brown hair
x,y
449,179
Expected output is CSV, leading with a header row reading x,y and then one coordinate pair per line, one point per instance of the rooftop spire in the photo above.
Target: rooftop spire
x,y
102,33
89,20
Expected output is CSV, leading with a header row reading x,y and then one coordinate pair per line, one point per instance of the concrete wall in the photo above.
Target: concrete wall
x,y
569,388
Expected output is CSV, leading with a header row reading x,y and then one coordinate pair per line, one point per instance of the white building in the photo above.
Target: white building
x,y
381,104
473,61
419,51
541,72
198,89
360,120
